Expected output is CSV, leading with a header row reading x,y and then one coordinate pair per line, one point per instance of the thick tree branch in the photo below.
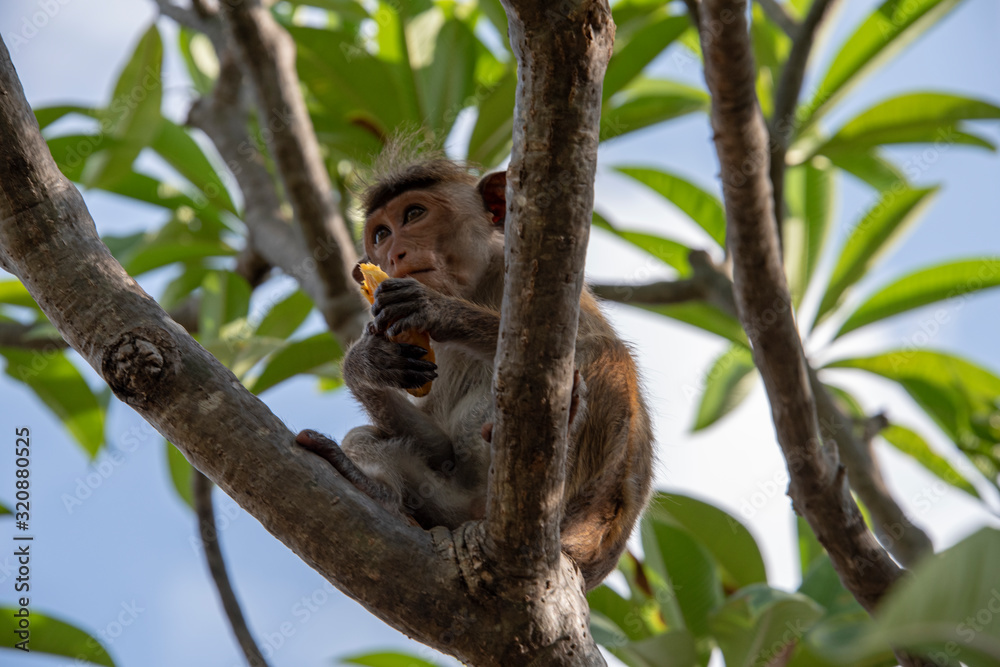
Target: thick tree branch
x,y
267,53
818,487
562,53
202,490
787,97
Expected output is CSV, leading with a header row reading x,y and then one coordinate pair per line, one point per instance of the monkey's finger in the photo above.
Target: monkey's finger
x,y
411,323
412,379
411,351
413,365
389,315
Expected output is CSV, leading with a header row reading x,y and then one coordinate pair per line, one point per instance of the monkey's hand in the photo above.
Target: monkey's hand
x,y
403,304
375,361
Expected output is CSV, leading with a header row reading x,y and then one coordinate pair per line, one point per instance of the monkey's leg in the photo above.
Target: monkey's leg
x,y
329,450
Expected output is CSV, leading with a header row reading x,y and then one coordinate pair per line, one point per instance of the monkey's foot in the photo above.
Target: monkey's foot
x,y
324,447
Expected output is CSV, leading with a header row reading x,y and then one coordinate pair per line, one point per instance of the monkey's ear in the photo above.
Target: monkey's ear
x,y
493,189
356,273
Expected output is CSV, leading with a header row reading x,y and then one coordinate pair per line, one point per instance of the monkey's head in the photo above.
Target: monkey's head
x,y
434,222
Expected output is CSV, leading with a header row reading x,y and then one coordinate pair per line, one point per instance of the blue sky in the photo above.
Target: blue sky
x,y
125,552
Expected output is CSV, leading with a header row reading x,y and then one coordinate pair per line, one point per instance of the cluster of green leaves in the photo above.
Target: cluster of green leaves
x,y
959,395
702,587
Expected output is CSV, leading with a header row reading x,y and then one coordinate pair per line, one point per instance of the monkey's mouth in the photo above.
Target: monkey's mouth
x,y
410,274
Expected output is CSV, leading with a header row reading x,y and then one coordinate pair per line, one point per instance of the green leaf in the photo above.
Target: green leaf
x,y
59,385
884,33
810,197
48,115
872,236
810,550
923,287
154,255
54,637
702,207
182,286
914,446
912,118
4,510
491,137
648,102
704,316
676,556
640,49
133,116
386,660
339,72
960,396
225,298
183,153
626,614
727,383
944,609
676,648
181,474
728,541
303,356
933,367
445,84
286,316
668,251
200,59
13,293
871,168
756,625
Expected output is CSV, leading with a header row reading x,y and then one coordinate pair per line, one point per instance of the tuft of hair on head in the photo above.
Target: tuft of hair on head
x,y
409,162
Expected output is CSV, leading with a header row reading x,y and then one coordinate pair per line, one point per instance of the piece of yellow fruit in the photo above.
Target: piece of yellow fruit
x,y
373,275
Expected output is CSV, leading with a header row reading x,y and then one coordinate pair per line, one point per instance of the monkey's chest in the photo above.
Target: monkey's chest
x,y
461,400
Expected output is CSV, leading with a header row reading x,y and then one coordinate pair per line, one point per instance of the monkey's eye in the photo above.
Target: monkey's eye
x,y
380,234
413,212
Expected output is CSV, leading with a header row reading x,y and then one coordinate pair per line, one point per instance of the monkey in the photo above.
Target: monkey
x,y
439,234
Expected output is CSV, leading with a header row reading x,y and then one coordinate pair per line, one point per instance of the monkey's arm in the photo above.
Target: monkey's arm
x,y
403,304
376,369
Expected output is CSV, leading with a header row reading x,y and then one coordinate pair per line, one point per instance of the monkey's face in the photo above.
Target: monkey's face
x,y
440,236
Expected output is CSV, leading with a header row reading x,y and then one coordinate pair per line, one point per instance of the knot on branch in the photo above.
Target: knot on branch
x,y
135,364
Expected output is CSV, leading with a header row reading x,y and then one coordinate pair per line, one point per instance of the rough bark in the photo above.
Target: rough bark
x,y
818,486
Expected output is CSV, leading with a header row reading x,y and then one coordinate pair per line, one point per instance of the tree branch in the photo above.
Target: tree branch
x,y
906,541
818,486
777,13
202,490
25,337
786,98
224,118
267,53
